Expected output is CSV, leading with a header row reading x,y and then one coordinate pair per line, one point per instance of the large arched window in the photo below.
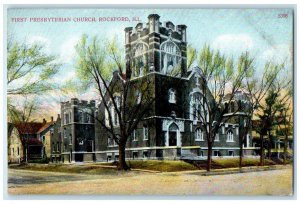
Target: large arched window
x,y
197,110
199,135
140,58
229,136
170,57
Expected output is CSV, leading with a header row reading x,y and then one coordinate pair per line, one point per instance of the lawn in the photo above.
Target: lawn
x,y
163,166
151,165
66,168
171,166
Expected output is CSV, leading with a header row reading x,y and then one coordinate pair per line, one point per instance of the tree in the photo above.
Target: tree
x,y
257,86
123,106
221,78
29,72
268,112
285,126
29,69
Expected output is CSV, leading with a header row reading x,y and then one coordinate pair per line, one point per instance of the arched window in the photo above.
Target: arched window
x,y
140,58
172,96
229,136
199,135
170,56
196,110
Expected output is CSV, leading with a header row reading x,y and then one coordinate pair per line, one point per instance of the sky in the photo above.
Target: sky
x,y
266,33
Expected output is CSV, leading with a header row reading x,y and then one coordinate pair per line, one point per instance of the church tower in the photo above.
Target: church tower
x,y
156,47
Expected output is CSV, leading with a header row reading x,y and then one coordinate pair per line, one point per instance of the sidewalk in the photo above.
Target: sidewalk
x,y
214,172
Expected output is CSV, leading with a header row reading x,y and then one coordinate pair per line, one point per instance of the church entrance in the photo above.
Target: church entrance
x,y
173,135
172,138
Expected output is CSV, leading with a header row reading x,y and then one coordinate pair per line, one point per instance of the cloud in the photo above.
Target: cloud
x,y
67,50
233,43
279,53
40,40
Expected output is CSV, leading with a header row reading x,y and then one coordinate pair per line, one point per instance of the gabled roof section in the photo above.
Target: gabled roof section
x,y
28,128
45,126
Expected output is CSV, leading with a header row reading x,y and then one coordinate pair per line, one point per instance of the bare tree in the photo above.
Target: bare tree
x,y
221,77
124,102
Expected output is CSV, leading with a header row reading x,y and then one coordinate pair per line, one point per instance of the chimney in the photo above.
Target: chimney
x,y
44,121
51,118
58,116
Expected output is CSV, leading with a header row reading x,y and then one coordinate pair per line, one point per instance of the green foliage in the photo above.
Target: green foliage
x,y
191,56
29,69
96,58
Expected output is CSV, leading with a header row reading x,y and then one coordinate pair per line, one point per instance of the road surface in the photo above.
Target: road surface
x,y
275,182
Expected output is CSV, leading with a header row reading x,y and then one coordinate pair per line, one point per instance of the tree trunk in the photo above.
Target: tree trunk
x,y
241,153
269,145
122,163
209,151
262,153
285,149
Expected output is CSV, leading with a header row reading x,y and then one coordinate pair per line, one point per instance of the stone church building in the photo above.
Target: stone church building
x,y
171,130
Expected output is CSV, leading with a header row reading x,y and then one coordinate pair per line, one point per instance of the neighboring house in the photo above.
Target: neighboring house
x,y
15,146
172,128
78,130
277,140
32,141
32,146
49,135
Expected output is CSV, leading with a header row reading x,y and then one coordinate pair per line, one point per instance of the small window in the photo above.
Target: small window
x,y
116,118
172,96
145,133
201,153
229,136
199,135
110,142
135,136
223,129
108,158
145,154
80,119
65,133
70,139
134,155
18,151
217,153
230,153
217,138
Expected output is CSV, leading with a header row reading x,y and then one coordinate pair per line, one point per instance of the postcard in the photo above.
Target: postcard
x,y
150,101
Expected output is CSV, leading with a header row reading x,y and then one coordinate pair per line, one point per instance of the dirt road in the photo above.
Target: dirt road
x,y
276,182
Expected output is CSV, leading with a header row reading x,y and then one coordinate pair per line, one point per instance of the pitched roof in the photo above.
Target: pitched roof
x,y
45,126
28,128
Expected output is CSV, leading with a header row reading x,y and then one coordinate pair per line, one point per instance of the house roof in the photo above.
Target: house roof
x,y
45,126
34,141
28,128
